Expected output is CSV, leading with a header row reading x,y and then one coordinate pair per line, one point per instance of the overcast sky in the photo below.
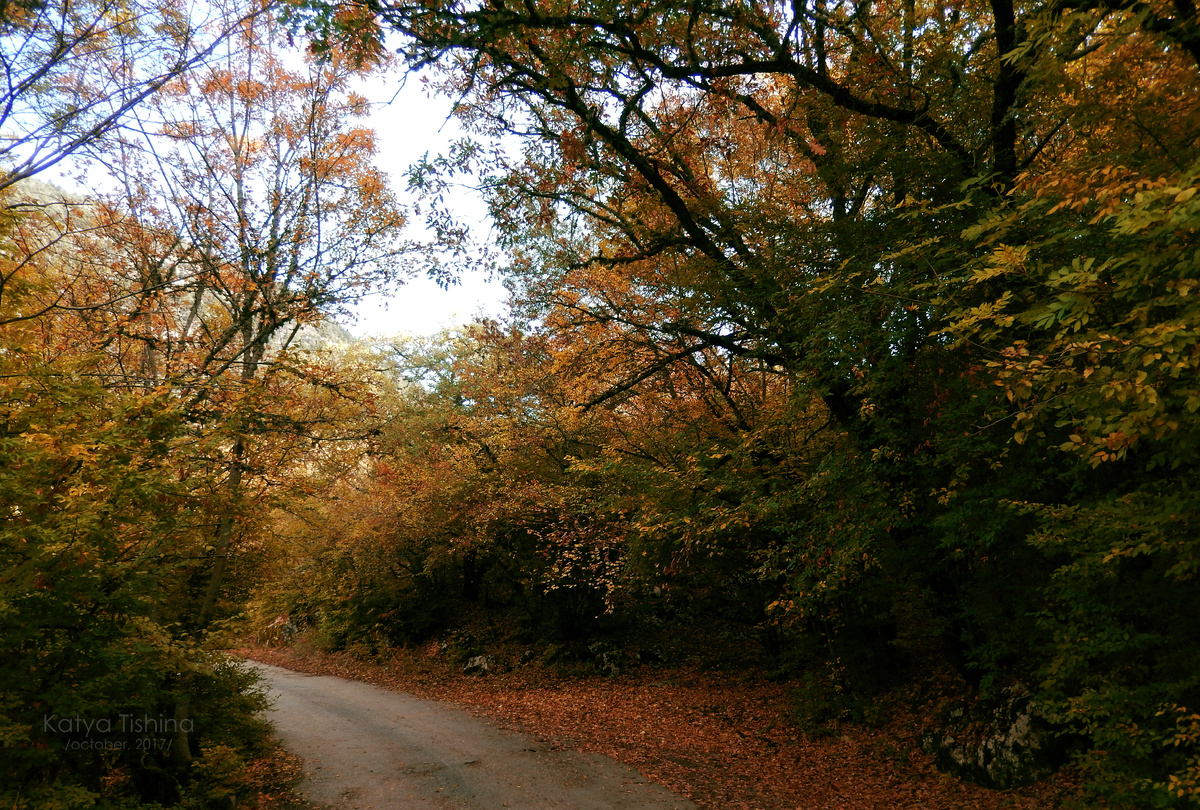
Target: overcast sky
x,y
411,125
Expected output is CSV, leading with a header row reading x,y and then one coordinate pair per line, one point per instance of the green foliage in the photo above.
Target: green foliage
x,y
222,772
1122,665
149,411
102,694
1102,324
820,704
1095,350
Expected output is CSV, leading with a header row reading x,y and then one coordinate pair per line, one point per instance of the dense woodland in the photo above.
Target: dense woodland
x,y
867,331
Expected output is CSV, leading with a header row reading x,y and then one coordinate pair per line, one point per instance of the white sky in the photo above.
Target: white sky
x,y
407,127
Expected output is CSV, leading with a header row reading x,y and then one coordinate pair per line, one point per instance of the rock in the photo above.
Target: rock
x,y
479,665
608,659
1017,746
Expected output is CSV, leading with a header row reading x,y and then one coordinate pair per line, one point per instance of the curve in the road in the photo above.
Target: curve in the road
x,y
365,748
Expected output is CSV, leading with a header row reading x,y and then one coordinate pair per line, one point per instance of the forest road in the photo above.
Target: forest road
x,y
365,748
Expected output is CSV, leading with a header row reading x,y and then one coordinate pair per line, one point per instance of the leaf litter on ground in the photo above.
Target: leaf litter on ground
x,y
724,740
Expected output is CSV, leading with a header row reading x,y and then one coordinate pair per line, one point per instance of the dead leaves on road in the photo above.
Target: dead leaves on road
x,y
724,741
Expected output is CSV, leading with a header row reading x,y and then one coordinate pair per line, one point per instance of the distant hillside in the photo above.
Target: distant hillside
x,y
324,336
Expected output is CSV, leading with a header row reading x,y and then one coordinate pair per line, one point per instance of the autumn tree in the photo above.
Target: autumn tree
x,y
100,516
464,500
933,221
153,403
248,208
1092,345
264,181
74,73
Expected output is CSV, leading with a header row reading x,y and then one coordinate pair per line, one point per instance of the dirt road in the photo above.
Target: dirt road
x,y
365,748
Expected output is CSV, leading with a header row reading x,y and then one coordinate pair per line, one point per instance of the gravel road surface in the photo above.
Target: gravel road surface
x,y
365,748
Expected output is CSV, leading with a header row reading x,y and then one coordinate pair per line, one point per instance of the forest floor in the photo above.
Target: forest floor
x,y
723,739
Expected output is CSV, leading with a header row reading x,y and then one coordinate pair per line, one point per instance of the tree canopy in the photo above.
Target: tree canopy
x,y
877,317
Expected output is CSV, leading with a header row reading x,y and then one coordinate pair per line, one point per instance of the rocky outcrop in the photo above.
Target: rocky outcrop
x,y
1013,745
608,659
478,665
